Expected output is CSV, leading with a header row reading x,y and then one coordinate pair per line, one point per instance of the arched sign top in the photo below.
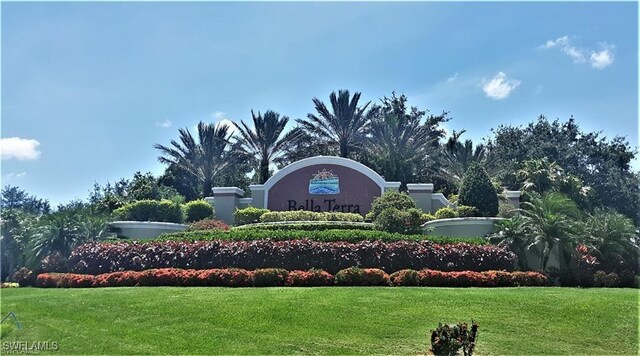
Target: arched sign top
x,y
330,160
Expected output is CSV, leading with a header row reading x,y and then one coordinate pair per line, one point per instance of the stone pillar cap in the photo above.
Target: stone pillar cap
x,y
420,187
228,190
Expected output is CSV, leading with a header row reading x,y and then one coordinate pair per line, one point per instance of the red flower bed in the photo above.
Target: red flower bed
x,y
234,277
96,258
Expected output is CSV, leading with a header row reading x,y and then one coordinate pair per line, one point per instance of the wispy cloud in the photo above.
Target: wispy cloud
x,y
603,58
576,54
597,59
19,148
219,115
560,41
452,78
12,176
164,124
499,87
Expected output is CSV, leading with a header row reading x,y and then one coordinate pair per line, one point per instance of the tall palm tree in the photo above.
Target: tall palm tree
x,y
206,158
343,126
458,156
58,232
516,234
397,141
613,238
266,141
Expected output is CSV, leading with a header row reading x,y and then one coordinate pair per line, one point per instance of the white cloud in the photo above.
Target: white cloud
x,y
19,148
164,124
500,86
560,41
577,55
597,59
452,78
603,58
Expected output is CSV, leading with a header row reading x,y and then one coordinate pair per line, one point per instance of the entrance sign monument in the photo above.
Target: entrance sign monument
x,y
322,184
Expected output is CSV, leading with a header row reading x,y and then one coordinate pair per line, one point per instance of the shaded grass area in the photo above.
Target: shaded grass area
x,y
249,234
350,320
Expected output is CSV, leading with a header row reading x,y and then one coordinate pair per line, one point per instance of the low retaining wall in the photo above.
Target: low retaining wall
x,y
144,229
460,227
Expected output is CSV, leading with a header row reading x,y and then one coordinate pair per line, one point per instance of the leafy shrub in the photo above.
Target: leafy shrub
x,y
246,234
390,199
54,262
24,277
197,210
310,225
467,211
376,277
478,191
248,215
352,276
310,278
98,258
235,277
598,278
270,277
447,340
426,217
207,225
405,278
612,280
446,213
506,210
150,210
394,220
303,215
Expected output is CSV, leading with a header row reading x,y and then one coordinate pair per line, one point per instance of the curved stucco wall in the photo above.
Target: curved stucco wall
x,y
145,229
460,227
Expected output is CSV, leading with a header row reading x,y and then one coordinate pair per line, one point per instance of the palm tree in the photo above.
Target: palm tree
x,y
342,126
516,234
613,238
539,175
206,158
552,220
397,141
458,156
266,141
58,232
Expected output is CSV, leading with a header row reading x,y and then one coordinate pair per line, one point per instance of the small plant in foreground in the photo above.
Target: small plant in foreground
x,y
448,340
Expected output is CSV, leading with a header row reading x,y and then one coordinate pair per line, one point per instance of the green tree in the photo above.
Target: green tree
x,y
266,141
553,220
206,158
343,126
458,156
398,143
17,228
478,191
517,235
613,239
16,198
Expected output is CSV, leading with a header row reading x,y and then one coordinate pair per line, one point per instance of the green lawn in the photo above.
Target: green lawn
x,y
331,320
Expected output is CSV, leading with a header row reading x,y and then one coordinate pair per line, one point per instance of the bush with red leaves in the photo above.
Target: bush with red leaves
x,y
96,258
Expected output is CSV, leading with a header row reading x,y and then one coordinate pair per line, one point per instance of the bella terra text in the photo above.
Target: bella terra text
x,y
327,205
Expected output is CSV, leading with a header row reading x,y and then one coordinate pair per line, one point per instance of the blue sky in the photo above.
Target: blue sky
x,y
88,88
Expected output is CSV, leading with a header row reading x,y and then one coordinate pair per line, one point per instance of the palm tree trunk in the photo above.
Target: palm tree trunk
x,y
264,171
344,150
207,188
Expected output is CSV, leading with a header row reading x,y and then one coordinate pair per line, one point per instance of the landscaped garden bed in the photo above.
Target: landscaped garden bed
x,y
95,258
272,277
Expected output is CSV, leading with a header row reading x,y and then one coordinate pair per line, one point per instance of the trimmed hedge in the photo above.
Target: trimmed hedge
x,y
150,210
248,215
197,210
95,258
208,225
400,221
446,213
390,199
246,234
302,215
309,225
234,277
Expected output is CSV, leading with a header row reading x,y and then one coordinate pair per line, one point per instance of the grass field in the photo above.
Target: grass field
x,y
332,320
